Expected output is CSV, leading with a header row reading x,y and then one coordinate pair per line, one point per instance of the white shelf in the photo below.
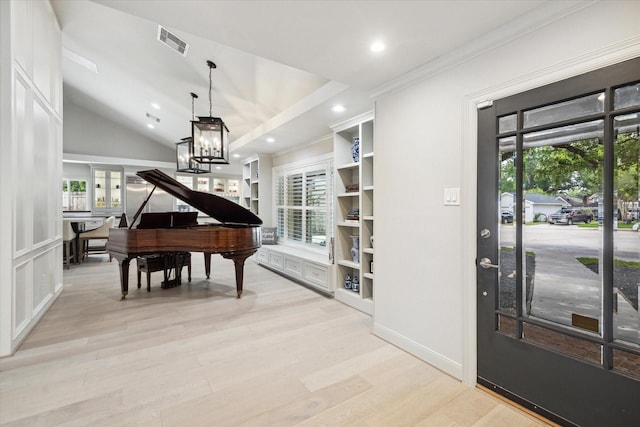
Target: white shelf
x,y
368,275
349,194
355,224
368,217
367,155
349,264
368,188
368,251
351,165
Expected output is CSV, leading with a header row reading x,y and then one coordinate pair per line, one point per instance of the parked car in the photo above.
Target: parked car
x,y
506,217
571,215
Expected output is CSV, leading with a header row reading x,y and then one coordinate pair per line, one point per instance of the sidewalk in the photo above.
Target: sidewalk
x,y
562,286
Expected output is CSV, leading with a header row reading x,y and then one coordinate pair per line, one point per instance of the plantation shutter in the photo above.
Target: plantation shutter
x,y
294,201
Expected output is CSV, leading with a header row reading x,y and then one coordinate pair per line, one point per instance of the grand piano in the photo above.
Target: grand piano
x,y
237,236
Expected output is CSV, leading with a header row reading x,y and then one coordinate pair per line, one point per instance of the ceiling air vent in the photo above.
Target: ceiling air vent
x,y
173,41
154,118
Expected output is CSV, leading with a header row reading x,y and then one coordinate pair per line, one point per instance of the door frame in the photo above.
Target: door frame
x,y
471,102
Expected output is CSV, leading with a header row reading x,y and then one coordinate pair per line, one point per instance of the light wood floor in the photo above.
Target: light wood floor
x,y
282,355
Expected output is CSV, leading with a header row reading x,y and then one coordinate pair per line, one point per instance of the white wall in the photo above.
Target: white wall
x,y
309,151
90,134
30,167
426,141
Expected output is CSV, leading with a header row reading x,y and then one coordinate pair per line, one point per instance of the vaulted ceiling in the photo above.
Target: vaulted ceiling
x,y
281,65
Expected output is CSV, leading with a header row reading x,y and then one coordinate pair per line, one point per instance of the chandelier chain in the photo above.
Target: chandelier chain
x,y
210,104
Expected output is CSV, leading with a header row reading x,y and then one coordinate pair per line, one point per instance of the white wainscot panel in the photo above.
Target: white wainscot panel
x,y
316,274
58,264
293,266
43,30
22,197
276,260
22,311
41,189
43,280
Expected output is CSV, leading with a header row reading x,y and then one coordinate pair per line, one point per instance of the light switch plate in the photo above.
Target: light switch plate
x,y
452,197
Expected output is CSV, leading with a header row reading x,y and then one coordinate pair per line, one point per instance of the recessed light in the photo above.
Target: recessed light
x,y
150,126
270,139
218,167
338,108
236,155
377,46
154,105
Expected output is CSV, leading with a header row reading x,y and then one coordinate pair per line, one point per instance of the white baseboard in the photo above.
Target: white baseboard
x,y
433,358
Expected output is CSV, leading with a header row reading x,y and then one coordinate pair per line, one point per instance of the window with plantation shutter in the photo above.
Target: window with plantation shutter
x,y
303,202
279,203
316,204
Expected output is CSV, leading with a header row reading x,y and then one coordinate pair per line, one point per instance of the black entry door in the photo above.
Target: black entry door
x,y
558,258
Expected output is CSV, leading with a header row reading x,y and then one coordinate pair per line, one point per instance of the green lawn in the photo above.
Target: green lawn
x,y
616,262
594,224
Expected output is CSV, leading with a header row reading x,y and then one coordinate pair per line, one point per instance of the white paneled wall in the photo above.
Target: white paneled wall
x,y
30,166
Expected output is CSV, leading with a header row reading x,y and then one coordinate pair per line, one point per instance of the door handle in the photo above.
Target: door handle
x,y
486,263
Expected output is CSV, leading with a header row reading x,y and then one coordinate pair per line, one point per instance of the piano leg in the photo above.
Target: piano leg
x,y
207,264
124,275
238,260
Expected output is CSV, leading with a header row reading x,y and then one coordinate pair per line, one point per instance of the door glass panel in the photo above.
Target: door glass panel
x,y
627,363
562,173
116,200
507,232
203,184
507,124
100,179
557,341
626,243
575,108
627,96
507,325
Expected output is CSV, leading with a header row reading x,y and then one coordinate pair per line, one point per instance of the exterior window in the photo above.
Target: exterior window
x,y
74,195
302,204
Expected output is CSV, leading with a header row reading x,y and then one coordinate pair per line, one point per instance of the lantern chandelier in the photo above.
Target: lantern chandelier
x,y
184,160
209,136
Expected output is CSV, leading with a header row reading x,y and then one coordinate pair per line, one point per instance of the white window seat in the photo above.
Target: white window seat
x,y
305,266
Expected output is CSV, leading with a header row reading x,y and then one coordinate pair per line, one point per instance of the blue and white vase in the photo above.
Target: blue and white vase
x,y
347,282
355,249
355,149
355,284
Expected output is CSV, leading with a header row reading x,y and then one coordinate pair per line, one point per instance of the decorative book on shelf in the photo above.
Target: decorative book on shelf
x,y
352,188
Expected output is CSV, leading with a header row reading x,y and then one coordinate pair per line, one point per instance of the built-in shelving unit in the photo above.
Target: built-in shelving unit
x,y
354,216
227,187
256,182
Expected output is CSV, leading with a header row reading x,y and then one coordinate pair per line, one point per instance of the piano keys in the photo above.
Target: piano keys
x,y
237,236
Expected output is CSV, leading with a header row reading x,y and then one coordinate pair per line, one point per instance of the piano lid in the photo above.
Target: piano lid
x,y
219,208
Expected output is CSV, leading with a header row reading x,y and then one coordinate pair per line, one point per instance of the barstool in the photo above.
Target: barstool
x,y
68,240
